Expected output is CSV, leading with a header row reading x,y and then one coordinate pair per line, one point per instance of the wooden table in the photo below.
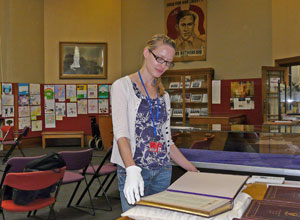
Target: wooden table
x,y
224,119
62,134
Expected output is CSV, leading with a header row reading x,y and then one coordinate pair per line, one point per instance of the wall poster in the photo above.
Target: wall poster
x,y
185,22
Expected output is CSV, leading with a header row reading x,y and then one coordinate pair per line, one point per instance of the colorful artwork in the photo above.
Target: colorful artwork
x,y
36,125
71,91
23,88
23,100
35,111
50,121
60,92
35,99
24,111
92,91
103,91
34,89
71,110
92,106
60,109
82,106
6,88
81,91
185,22
49,92
103,106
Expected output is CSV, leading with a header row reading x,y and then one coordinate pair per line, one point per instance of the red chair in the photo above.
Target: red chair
x,y
5,131
32,181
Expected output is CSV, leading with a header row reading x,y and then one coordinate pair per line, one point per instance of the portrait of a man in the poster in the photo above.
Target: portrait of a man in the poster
x,y
187,26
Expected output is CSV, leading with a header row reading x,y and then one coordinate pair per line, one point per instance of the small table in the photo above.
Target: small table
x,y
62,134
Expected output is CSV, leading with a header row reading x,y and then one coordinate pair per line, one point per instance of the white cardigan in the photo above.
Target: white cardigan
x,y
125,106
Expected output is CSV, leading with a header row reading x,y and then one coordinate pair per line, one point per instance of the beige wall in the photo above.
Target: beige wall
x,y
22,45
140,20
238,32
285,28
82,21
242,35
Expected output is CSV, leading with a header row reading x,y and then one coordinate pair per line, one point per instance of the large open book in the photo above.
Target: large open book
x,y
204,194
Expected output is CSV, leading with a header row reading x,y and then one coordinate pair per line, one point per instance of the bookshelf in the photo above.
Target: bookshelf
x,y
274,97
190,92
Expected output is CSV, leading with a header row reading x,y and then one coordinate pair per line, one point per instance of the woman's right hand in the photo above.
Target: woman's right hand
x,y
134,184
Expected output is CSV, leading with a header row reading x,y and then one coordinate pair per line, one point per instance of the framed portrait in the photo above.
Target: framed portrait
x,y
82,60
185,22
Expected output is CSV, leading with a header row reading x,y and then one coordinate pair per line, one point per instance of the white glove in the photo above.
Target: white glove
x,y
134,184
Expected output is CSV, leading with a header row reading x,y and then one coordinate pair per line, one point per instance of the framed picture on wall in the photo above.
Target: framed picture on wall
x,y
79,60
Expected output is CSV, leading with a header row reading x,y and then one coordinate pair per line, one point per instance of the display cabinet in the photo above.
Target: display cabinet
x,y
274,92
190,92
268,149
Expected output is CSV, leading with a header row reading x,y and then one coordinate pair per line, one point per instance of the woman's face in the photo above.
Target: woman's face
x,y
164,52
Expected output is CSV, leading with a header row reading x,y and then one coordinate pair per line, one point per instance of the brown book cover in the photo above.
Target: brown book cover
x,y
272,210
283,194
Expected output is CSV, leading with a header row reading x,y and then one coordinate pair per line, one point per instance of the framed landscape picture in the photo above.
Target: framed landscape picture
x,y
82,60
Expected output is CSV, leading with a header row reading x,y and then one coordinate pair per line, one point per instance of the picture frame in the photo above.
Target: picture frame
x,y
196,98
196,84
195,112
78,60
177,112
174,85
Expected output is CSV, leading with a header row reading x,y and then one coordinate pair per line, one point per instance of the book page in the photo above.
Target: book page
x,y
185,201
210,184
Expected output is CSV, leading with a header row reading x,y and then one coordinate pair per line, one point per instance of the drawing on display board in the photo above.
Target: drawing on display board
x,y
60,92
92,91
49,106
71,109
81,92
82,106
8,111
24,122
7,99
60,109
37,125
23,88
23,100
35,99
49,92
35,111
9,122
34,89
50,121
103,91
71,91
92,106
103,106
24,111
6,88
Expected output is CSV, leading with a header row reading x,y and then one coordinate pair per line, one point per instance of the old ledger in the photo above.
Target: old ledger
x,y
204,194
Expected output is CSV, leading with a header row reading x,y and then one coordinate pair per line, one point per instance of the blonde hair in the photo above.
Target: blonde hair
x,y
156,41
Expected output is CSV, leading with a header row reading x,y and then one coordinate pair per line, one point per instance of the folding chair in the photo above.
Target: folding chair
x,y
5,131
14,143
103,169
77,161
32,181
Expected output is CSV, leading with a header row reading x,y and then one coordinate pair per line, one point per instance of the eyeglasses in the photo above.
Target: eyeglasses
x,y
162,61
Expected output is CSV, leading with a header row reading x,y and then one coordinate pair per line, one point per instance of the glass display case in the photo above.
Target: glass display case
x,y
274,92
268,149
190,92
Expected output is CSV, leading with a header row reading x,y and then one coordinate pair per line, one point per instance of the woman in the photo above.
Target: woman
x,y
142,146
